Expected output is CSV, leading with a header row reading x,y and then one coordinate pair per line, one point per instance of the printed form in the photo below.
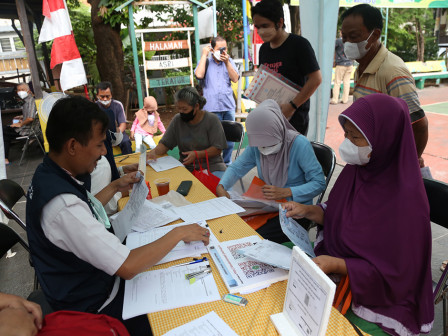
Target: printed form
x,y
207,325
164,163
213,208
167,288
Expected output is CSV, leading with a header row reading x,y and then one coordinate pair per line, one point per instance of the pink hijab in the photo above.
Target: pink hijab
x,y
267,126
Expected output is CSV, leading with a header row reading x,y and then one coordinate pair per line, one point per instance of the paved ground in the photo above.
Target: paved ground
x,y
16,276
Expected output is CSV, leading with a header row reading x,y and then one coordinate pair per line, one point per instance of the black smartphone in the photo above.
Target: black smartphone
x,y
221,50
184,187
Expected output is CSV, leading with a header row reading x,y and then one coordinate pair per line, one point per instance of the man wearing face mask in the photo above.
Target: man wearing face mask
x,y
115,111
216,73
379,70
290,55
21,125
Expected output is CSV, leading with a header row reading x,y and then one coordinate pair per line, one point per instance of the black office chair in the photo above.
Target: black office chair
x,y
10,193
234,131
9,238
437,193
327,159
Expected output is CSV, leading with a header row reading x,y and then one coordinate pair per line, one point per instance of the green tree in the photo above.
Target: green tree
x,y
411,34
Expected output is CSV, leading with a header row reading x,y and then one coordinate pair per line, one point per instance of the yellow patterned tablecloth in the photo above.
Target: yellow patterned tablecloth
x,y
252,320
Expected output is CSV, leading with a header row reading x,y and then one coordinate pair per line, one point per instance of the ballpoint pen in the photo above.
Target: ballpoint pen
x,y
193,277
192,262
123,158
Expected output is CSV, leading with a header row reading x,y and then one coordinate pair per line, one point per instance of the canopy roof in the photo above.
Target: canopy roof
x,y
8,9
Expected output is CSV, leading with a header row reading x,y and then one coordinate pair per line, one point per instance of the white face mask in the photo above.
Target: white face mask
x,y
22,94
355,51
353,154
217,55
271,149
267,34
105,102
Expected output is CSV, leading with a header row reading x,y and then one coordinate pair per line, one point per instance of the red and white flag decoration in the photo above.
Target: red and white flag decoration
x,y
57,27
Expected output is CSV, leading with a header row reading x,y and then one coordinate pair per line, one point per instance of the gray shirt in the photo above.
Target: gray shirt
x,y
28,111
339,57
207,133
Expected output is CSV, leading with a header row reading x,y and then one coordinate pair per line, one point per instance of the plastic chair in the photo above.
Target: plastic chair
x,y
437,193
34,134
9,238
234,132
327,159
10,193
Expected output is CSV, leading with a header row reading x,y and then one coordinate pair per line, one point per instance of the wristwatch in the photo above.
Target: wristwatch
x,y
293,105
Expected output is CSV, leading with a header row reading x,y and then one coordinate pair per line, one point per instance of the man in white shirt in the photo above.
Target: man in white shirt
x,y
78,262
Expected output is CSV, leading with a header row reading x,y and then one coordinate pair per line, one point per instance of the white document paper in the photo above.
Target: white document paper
x,y
122,221
180,251
242,274
308,300
154,215
165,289
210,209
252,206
269,85
270,253
142,161
165,163
207,325
294,231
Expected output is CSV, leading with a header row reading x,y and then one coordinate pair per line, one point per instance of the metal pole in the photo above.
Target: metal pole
x,y
196,33
134,52
246,48
32,60
385,30
215,24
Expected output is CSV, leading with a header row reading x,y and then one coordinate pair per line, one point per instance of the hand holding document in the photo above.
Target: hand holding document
x,y
268,84
122,221
207,325
294,231
164,163
167,288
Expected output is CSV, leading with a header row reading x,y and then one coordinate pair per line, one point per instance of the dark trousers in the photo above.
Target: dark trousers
x,y
9,134
273,231
299,121
125,145
136,326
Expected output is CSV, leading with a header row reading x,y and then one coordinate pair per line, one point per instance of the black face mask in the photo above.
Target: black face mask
x,y
186,117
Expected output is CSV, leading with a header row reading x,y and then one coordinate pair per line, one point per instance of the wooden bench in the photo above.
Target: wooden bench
x,y
422,71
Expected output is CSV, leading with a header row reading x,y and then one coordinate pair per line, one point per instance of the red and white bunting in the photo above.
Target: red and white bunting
x,y
57,27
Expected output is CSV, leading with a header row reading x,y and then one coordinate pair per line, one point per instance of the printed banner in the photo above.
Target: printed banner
x,y
166,45
391,3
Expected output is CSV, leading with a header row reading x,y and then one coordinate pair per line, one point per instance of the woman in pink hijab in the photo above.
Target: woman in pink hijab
x,y
375,224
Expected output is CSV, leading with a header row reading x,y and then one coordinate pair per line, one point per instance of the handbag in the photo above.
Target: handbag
x,y
205,176
67,323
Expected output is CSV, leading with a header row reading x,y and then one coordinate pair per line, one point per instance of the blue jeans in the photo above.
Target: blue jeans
x,y
227,153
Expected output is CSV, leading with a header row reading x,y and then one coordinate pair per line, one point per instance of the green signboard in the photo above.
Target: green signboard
x,y
169,81
391,3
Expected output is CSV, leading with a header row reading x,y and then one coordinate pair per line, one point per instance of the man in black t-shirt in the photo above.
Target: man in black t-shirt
x,y
290,55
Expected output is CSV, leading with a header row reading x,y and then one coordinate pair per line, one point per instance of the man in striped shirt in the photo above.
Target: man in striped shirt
x,y
379,70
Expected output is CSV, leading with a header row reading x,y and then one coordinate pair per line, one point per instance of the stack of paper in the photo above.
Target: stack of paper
x,y
242,274
213,208
269,253
181,250
207,325
164,163
167,288
153,215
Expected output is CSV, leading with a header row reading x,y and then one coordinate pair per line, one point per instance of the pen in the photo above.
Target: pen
x,y
199,276
123,158
192,262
